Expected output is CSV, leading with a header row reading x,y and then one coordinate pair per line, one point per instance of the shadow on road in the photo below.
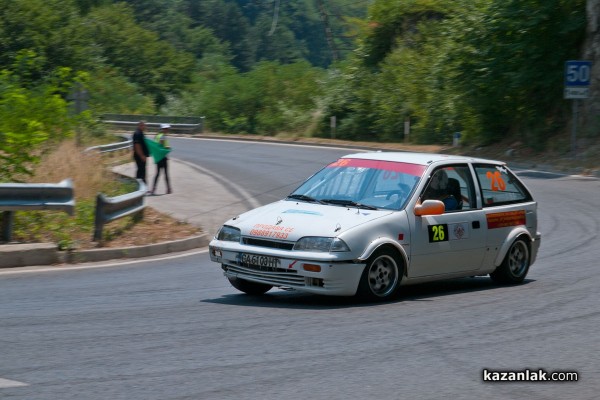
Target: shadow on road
x,y
304,301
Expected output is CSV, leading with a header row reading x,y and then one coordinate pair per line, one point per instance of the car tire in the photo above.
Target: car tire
x,y
515,265
382,275
251,288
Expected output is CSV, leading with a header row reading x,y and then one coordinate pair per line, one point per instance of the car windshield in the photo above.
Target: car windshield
x,y
369,184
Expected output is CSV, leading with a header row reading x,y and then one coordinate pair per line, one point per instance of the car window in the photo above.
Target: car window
x,y
375,183
343,184
453,185
499,186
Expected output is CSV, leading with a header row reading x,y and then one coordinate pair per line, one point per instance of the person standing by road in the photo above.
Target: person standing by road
x,y
140,151
163,163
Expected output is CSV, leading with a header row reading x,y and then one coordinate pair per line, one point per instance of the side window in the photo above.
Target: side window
x,y
499,186
453,185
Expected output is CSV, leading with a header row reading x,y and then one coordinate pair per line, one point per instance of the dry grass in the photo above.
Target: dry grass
x,y
91,175
87,170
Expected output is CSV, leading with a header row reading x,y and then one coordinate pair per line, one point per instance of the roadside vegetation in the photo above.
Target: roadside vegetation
x,y
491,70
91,174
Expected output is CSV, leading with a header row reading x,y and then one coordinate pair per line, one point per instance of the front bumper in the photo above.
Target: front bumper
x,y
337,278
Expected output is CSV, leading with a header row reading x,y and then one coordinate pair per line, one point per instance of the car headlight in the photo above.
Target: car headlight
x,y
229,234
318,243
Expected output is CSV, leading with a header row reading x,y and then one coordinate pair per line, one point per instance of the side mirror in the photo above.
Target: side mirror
x,y
429,207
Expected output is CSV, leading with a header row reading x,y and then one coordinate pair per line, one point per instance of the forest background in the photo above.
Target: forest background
x,y
492,70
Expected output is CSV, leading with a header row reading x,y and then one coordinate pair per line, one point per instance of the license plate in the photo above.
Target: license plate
x,y
264,263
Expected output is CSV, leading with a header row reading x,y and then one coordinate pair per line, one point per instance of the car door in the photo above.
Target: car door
x,y
453,242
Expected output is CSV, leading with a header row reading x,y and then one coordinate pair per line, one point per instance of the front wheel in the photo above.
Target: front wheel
x,y
515,265
251,288
381,277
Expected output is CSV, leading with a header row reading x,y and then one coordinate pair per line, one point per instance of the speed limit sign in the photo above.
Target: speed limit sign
x,y
577,79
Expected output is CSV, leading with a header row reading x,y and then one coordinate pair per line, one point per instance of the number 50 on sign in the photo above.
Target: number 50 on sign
x,y
577,79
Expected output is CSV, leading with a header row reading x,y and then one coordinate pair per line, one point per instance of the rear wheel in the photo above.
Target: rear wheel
x,y
382,276
251,288
515,265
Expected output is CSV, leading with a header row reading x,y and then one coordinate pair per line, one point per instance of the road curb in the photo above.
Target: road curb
x,y
25,255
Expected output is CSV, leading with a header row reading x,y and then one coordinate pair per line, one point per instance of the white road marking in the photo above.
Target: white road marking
x,y
7,383
113,263
310,146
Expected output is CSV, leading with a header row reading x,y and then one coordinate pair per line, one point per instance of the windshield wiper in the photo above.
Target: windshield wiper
x,y
349,203
303,197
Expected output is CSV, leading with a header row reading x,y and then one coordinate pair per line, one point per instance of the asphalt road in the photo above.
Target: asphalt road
x,y
173,328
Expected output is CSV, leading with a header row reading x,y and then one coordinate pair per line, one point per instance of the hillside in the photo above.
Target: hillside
x,y
487,69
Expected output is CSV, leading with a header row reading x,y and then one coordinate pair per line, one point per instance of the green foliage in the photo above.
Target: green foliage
x,y
140,53
111,92
54,226
486,68
514,65
251,31
50,29
270,98
29,117
393,22
156,66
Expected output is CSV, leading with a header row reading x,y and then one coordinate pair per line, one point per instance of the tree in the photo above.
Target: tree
x,y
52,29
154,65
512,72
29,117
487,68
591,51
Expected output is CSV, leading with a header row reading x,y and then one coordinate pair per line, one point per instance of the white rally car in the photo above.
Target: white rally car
x,y
369,223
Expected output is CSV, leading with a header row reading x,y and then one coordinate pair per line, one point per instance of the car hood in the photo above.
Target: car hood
x,y
291,220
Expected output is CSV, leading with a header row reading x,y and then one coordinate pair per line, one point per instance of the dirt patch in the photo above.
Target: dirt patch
x,y
154,227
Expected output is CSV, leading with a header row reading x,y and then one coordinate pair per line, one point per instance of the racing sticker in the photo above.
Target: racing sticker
x,y
305,212
446,232
505,219
496,181
458,231
438,233
391,166
270,231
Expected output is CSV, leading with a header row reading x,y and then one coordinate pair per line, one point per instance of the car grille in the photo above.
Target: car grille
x,y
271,244
278,277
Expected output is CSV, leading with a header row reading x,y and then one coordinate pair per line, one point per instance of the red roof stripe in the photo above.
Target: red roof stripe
x,y
406,168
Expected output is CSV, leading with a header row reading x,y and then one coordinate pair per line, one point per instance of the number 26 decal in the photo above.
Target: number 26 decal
x,y
496,180
438,233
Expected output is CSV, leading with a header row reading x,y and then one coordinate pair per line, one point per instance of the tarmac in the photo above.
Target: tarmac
x,y
198,198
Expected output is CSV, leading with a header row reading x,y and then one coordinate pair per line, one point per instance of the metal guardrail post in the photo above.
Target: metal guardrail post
x,y
7,224
112,208
33,196
98,219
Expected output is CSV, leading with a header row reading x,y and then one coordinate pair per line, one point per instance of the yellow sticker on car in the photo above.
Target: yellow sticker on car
x,y
438,233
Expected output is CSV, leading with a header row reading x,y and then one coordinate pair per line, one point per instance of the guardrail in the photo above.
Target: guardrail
x,y
108,148
112,208
178,124
33,196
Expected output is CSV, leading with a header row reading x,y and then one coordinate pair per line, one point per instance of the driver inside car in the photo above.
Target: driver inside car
x,y
439,189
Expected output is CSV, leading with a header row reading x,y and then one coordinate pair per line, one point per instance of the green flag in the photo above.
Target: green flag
x,y
157,151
